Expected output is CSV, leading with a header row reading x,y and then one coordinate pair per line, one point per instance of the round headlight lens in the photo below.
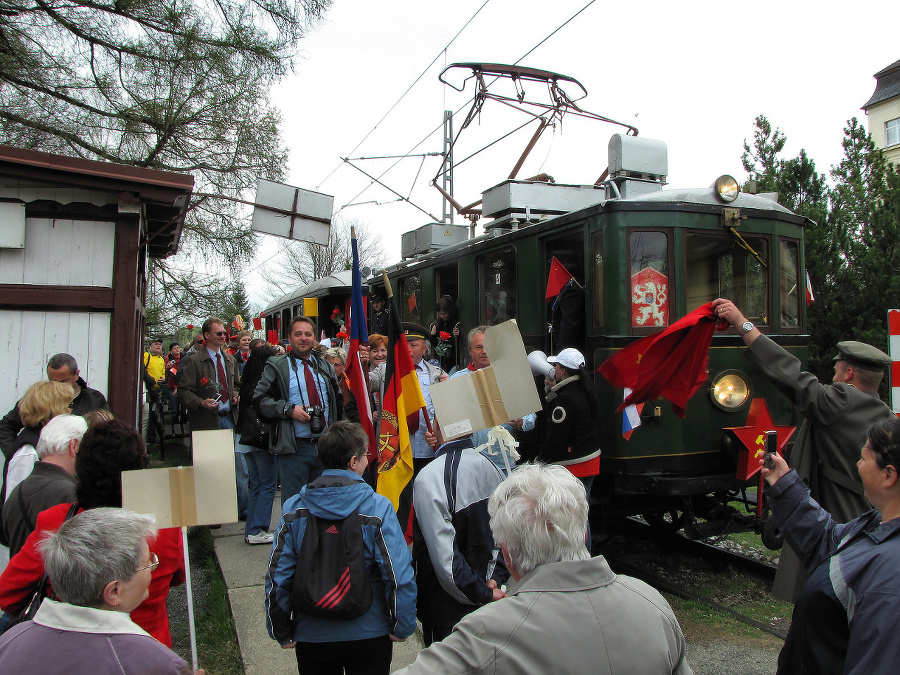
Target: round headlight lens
x,y
727,188
730,390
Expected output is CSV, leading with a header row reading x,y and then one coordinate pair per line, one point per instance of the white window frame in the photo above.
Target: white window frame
x,y
892,132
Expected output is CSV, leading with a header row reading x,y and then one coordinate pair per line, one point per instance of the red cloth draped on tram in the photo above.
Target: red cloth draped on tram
x,y
670,364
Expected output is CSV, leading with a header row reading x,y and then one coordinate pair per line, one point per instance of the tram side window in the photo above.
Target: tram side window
x,y
649,279
788,283
411,299
718,267
597,250
497,286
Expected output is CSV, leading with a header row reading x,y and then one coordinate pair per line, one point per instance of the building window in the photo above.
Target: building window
x,y
892,132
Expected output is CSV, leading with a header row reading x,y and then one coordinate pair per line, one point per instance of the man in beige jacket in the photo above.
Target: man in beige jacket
x,y
566,612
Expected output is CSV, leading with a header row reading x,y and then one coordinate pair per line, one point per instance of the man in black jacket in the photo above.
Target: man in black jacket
x,y
60,368
52,481
293,386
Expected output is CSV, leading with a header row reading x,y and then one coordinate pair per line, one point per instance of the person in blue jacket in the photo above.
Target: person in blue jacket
x,y
363,645
846,617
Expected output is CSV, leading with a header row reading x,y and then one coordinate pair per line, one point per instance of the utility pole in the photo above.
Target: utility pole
x,y
447,168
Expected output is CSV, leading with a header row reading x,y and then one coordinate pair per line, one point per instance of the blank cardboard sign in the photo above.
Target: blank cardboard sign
x,y
494,395
203,494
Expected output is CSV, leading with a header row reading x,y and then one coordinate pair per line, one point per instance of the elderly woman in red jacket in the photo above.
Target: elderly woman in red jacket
x,y
106,450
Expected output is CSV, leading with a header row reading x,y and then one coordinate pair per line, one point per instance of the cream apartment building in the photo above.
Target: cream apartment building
x,y
883,110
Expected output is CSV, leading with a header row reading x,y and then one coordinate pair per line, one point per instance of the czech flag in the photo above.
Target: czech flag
x,y
631,417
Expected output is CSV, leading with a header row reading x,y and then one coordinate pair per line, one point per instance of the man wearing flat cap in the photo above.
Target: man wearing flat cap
x,y
379,318
417,338
837,417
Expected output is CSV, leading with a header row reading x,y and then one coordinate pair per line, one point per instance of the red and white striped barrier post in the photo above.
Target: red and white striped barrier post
x,y
894,351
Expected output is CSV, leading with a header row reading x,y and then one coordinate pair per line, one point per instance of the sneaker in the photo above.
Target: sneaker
x,y
260,538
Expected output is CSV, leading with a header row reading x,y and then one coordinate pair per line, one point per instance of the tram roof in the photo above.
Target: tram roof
x,y
339,281
707,196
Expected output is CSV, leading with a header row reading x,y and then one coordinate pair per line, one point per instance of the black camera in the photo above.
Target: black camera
x,y
316,418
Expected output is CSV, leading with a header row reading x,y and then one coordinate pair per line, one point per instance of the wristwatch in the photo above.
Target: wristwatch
x,y
746,327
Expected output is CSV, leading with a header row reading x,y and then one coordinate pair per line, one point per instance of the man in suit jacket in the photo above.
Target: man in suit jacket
x,y
208,385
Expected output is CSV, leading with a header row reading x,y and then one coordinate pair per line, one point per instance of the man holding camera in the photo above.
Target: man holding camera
x,y
300,394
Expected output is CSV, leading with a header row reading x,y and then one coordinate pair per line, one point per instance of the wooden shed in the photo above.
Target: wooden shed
x,y
75,236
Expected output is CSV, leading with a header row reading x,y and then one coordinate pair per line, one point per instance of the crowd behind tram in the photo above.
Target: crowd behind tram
x,y
488,551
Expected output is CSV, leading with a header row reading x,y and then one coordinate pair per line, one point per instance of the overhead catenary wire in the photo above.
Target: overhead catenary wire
x,y
408,89
439,127
458,110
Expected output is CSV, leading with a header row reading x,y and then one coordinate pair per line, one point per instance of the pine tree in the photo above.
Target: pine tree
x,y
178,86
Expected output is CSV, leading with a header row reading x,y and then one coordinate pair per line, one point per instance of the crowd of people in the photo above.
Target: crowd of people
x,y
494,561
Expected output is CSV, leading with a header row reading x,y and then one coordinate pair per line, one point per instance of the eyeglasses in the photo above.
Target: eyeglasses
x,y
198,342
154,563
221,333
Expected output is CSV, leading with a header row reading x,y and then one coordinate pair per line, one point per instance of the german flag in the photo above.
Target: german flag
x,y
401,403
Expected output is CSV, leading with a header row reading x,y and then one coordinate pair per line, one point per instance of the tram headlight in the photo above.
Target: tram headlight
x,y
730,390
727,188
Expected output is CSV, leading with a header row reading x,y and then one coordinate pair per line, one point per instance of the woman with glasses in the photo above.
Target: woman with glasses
x,y
101,566
107,449
846,616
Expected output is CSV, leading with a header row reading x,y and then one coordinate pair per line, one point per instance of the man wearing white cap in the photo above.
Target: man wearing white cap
x,y
571,415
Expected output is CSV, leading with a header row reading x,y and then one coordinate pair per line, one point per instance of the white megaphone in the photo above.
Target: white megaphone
x,y
540,366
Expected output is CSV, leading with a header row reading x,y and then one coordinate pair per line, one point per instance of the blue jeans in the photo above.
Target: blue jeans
x,y
298,469
240,469
263,472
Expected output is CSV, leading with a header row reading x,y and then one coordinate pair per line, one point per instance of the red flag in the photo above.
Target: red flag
x,y
558,278
671,364
257,323
810,298
359,380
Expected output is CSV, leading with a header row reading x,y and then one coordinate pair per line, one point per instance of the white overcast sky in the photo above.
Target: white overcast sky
x,y
693,74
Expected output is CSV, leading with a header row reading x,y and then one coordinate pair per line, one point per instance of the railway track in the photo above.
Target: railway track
x,y
673,563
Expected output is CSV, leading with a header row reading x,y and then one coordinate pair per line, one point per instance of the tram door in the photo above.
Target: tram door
x,y
446,283
566,312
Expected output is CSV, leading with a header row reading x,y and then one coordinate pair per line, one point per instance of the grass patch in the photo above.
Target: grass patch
x,y
217,645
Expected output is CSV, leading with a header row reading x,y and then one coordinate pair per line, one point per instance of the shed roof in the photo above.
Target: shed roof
x,y
887,85
163,194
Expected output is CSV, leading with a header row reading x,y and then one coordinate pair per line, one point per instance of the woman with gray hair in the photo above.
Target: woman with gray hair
x,y
539,516
100,565
613,624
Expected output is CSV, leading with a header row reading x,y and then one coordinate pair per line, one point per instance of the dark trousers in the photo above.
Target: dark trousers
x,y
434,632
353,657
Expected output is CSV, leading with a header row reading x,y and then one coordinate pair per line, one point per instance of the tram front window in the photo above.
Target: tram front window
x,y
789,289
717,266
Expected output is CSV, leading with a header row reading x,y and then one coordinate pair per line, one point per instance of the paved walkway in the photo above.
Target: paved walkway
x,y
244,569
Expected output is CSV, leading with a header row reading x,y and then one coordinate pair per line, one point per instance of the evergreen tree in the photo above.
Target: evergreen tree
x,y
762,161
178,86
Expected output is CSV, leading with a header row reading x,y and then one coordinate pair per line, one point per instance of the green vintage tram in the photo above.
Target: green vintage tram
x,y
645,257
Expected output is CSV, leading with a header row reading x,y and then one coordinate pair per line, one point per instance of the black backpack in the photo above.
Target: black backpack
x,y
331,579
